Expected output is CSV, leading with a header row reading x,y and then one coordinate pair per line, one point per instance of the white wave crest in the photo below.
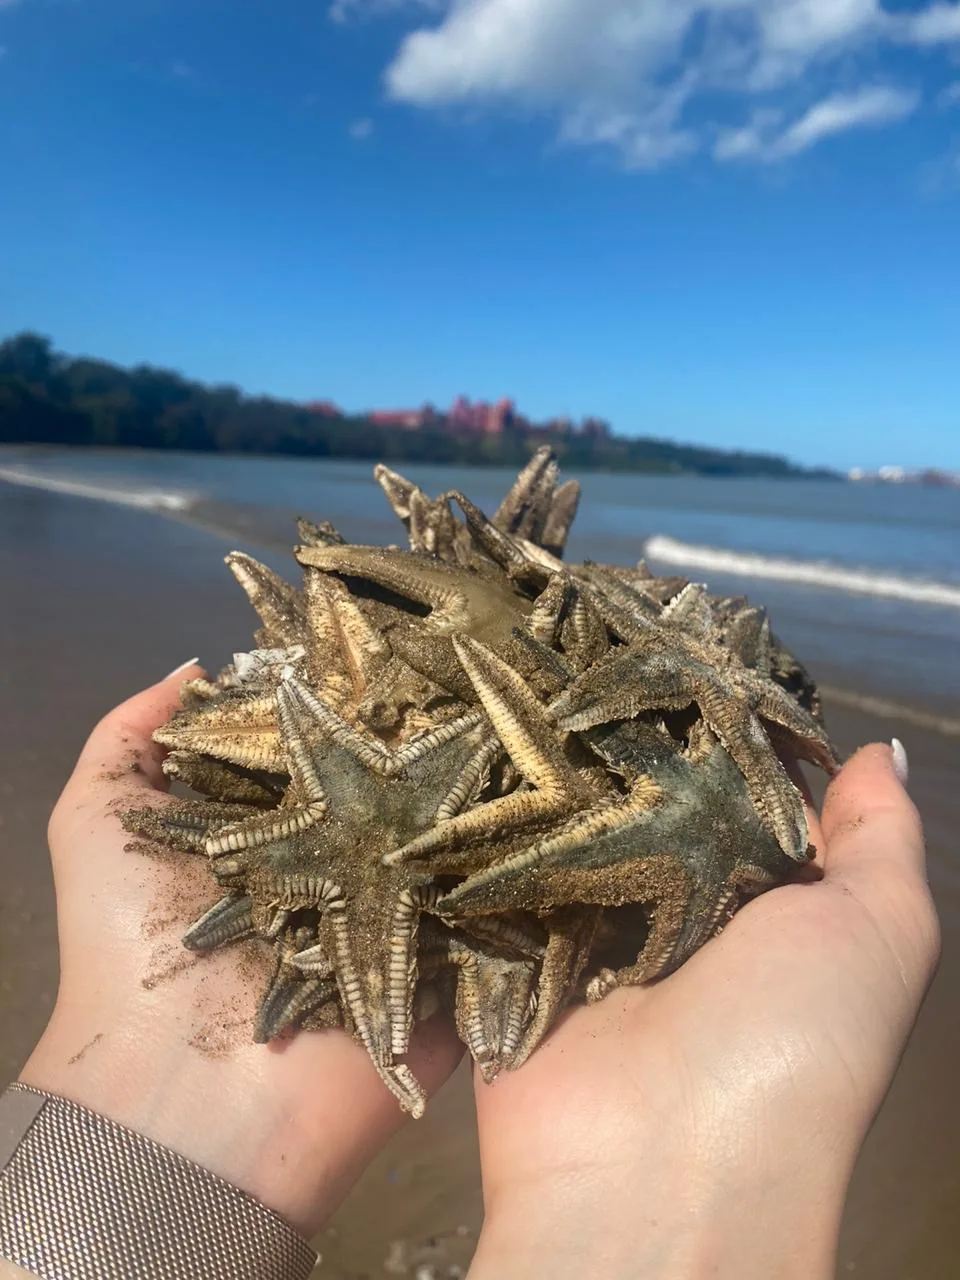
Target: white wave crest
x,y
149,499
814,573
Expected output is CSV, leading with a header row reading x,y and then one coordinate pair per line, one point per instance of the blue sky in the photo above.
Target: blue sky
x,y
733,222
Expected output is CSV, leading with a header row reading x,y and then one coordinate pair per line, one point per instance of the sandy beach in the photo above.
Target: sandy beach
x,y
99,601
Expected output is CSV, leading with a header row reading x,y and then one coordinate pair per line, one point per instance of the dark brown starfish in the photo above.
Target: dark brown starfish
x,y
684,841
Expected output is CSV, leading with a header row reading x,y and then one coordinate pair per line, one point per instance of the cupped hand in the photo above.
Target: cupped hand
x,y
708,1124
160,1039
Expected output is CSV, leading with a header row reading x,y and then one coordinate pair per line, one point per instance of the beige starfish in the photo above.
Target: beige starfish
x,y
556,790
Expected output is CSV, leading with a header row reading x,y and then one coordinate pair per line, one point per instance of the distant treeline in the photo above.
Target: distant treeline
x,y
50,398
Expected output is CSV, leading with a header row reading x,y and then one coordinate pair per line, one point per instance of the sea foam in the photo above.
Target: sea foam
x,y
149,499
814,573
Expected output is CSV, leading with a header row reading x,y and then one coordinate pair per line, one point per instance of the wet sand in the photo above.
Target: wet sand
x,y
98,601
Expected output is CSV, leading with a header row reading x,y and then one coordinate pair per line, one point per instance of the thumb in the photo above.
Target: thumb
x,y
875,855
120,758
869,822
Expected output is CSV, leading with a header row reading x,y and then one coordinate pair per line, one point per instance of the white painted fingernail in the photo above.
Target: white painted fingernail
x,y
901,766
190,662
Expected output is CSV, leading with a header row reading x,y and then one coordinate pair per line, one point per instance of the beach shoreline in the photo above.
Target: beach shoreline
x,y
105,600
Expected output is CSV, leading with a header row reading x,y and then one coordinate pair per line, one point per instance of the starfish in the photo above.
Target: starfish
x,y
665,667
536,509
684,841
341,651
351,800
430,524
556,790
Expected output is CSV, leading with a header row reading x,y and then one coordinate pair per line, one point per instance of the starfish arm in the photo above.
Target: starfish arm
x,y
549,608
492,1004
563,511
775,798
228,920
520,878
288,1000
402,963
517,932
318,535
571,931
418,578
346,649
526,508
690,610
228,783
583,633
398,490
518,719
302,707
264,829
183,825
371,1021
628,682
279,606
240,728
502,549
747,634
471,780
534,747
807,738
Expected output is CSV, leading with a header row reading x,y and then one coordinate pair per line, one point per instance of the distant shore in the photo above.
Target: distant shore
x,y
49,397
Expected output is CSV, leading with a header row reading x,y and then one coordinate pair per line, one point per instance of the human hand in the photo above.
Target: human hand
x,y
708,1124
160,1039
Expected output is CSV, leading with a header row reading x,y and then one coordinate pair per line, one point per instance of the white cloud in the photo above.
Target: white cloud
x,y
762,139
656,79
360,130
939,24
842,111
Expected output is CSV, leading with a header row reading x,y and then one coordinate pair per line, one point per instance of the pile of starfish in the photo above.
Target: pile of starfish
x,y
465,774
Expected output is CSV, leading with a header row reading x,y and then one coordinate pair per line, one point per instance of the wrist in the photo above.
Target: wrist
x,y
687,1220
242,1112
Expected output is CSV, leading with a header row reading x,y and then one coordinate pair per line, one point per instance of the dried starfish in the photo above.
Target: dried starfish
x,y
354,800
683,841
665,667
536,509
556,791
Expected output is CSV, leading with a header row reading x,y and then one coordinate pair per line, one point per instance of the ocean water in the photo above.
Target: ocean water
x,y
862,581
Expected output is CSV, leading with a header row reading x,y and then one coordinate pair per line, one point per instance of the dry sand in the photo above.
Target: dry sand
x,y
98,602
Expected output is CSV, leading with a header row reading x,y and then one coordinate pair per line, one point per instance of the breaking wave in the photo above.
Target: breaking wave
x,y
149,499
809,572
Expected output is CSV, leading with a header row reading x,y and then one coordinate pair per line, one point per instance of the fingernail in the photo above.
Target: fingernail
x,y
190,662
901,766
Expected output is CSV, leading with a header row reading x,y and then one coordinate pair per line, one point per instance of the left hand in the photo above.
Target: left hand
x,y
160,1039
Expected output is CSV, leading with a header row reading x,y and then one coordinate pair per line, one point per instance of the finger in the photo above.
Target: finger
x,y
121,751
869,822
875,857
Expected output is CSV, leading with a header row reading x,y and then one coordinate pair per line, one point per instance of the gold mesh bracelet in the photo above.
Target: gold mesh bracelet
x,y
82,1198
